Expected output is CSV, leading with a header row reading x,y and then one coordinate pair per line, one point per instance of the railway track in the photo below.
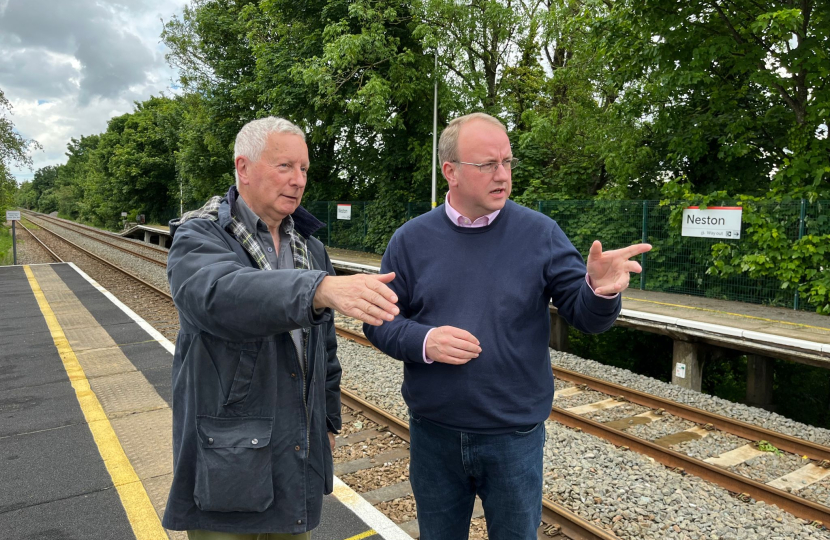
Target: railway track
x,y
781,491
587,417
558,521
115,244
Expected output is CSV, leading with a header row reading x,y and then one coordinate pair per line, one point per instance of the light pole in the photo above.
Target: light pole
x,y
434,126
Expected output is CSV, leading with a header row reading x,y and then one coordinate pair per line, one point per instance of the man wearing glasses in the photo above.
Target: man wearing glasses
x,y
474,279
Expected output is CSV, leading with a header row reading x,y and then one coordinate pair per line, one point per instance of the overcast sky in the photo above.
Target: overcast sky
x,y
68,66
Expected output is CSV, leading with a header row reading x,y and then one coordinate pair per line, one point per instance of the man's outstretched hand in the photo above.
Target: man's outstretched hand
x,y
362,296
609,272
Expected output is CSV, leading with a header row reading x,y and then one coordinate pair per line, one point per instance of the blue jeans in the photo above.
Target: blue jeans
x,y
448,468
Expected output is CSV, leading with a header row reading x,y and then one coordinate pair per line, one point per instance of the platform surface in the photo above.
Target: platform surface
x,y
85,436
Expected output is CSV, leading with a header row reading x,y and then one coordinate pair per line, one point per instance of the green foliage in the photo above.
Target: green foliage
x,y
6,248
14,150
775,242
766,446
735,93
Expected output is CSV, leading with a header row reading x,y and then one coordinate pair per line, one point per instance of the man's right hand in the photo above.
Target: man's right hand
x,y
362,296
452,345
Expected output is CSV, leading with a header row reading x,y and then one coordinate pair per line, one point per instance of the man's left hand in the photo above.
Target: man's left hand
x,y
331,440
609,271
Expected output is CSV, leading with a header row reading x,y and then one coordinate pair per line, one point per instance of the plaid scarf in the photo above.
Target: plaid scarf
x,y
299,248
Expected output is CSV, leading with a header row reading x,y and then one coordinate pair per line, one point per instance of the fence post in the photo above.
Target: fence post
x,y
801,221
645,239
365,229
328,223
539,206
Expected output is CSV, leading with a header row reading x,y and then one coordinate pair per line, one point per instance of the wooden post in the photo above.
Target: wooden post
x,y
759,381
687,365
558,333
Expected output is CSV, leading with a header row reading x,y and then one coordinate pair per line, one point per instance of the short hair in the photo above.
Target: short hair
x,y
448,143
251,139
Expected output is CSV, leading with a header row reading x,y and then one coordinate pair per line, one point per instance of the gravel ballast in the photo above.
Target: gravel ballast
x,y
617,489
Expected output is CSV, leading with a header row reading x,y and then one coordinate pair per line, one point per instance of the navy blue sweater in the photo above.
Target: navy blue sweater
x,y
496,283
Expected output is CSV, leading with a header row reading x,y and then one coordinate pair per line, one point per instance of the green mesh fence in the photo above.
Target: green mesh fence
x,y
362,225
677,264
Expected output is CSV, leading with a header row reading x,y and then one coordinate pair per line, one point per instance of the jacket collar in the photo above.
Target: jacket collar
x,y
304,221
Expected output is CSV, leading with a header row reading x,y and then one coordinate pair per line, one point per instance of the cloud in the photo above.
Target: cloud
x,y
68,66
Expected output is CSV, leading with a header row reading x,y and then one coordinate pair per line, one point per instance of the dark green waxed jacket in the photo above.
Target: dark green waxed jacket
x,y
250,444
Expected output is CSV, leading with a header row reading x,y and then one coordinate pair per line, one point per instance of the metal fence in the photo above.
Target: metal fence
x,y
677,264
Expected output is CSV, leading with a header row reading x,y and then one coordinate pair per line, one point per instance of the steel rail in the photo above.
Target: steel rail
x,y
113,266
723,423
553,513
73,224
110,244
795,505
39,241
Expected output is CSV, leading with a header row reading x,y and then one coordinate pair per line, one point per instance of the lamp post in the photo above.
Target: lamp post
x,y
434,127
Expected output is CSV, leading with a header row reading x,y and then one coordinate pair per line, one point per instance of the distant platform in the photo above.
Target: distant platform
x,y
86,437
152,234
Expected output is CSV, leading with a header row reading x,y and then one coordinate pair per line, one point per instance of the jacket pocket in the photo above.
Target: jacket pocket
x,y
233,464
241,384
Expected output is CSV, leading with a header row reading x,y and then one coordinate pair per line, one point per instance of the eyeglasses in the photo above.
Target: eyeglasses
x,y
492,166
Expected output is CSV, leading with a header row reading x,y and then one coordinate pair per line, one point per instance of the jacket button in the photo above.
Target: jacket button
x,y
297,448
299,522
293,375
255,441
210,440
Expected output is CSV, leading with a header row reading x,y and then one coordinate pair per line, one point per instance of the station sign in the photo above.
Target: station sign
x,y
344,211
719,222
12,215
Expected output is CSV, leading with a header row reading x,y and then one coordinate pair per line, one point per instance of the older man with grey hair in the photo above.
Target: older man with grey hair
x,y
256,380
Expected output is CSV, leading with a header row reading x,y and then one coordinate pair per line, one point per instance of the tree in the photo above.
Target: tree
x,y
735,94
14,150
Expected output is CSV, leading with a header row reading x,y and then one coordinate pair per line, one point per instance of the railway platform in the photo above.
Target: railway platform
x,y
85,436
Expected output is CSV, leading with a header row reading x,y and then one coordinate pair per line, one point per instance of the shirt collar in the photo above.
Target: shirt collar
x,y
253,222
463,221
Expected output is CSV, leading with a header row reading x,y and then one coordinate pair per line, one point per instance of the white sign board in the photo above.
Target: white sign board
x,y
123,214
680,370
722,222
12,215
344,211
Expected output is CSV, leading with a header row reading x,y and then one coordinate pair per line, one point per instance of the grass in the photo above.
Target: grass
x,y
6,254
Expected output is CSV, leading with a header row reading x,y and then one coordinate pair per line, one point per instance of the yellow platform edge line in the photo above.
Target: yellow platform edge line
x,y
140,512
361,536
802,325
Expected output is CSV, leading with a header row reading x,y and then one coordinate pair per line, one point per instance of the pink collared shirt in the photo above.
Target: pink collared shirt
x,y
483,221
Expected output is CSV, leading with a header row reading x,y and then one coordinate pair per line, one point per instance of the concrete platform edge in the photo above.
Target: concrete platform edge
x,y
381,524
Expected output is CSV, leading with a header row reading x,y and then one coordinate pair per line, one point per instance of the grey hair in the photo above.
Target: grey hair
x,y
251,139
448,143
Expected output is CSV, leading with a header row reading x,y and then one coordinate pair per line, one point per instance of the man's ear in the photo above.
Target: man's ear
x,y
241,163
448,170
